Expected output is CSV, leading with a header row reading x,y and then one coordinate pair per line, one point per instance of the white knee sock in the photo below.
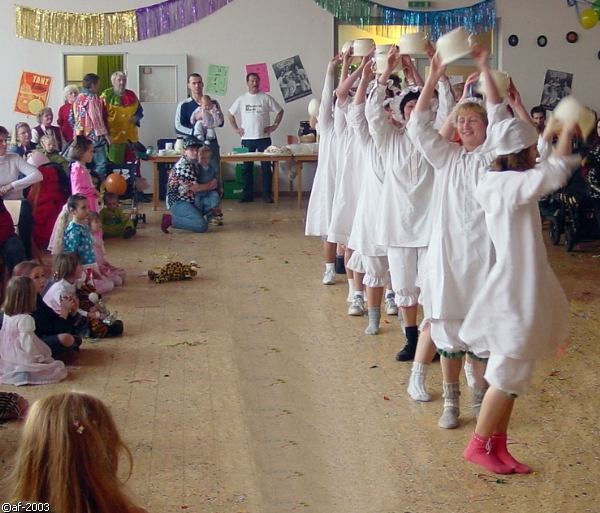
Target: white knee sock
x,y
416,384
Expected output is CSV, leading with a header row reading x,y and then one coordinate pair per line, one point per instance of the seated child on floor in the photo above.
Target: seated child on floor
x,y
73,234
106,269
24,358
115,222
208,201
69,283
59,331
76,437
205,119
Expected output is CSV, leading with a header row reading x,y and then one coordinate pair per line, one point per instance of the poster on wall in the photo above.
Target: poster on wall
x,y
217,79
32,95
263,74
292,79
557,85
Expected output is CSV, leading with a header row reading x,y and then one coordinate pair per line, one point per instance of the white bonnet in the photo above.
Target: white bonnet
x,y
513,135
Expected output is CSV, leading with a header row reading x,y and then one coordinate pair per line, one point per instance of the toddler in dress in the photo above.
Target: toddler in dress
x,y
24,358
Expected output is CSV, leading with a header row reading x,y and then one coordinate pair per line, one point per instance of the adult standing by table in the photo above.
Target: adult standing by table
x,y
254,108
124,113
183,123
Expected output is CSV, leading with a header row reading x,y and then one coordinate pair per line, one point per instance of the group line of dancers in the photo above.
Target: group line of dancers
x,y
436,202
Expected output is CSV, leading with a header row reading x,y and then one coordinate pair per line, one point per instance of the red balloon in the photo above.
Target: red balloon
x,y
115,183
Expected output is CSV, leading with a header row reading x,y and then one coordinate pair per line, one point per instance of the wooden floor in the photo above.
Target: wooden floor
x,y
250,390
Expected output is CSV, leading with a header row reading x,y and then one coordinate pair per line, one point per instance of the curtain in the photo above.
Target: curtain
x,y
107,65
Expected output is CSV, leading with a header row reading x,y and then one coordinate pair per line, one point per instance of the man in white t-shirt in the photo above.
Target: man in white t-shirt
x,y
255,128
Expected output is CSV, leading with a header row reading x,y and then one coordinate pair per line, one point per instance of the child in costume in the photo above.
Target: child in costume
x,y
521,313
105,268
24,358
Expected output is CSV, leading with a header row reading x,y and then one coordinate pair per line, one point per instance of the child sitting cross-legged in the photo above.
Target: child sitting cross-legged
x,y
59,331
115,222
24,358
69,283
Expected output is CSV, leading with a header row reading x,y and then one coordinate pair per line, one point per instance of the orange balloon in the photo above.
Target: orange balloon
x,y
115,183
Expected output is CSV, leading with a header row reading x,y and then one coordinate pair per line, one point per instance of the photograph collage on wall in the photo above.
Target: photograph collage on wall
x,y
292,79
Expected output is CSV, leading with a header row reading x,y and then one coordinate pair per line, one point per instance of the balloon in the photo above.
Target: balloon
x,y
115,183
588,18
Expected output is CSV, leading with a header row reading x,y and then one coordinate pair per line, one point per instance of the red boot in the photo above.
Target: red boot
x,y
479,451
500,449
166,222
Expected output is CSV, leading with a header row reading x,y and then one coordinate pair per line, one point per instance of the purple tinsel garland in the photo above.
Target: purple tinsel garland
x,y
158,19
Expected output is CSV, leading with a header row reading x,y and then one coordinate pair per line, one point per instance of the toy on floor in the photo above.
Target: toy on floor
x,y
108,317
174,271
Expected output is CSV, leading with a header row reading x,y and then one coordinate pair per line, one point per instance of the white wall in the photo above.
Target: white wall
x,y
248,31
245,31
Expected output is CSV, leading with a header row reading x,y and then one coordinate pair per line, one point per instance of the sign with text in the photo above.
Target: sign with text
x,y
217,79
32,95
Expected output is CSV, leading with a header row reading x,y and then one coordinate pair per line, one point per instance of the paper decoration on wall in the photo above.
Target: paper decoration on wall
x,y
217,79
588,12
263,74
32,95
292,79
542,41
513,40
108,28
557,85
477,18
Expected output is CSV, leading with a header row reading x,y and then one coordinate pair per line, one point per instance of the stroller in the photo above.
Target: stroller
x,y
571,212
131,172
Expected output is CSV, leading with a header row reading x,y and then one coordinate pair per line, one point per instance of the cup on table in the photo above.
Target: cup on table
x,y
169,146
162,153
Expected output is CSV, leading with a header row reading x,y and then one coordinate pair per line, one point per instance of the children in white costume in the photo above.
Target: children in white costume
x,y
460,253
521,312
367,259
320,203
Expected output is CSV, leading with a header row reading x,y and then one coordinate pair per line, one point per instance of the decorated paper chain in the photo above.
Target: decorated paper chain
x,y
109,28
88,29
477,18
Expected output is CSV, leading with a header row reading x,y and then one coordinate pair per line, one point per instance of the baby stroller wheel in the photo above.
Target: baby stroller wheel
x,y
570,238
554,232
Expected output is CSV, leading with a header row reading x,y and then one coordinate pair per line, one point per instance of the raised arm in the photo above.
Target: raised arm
x,y
367,75
325,117
346,61
437,69
480,56
344,87
514,100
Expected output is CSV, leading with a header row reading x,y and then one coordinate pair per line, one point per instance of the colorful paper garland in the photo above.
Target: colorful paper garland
x,y
109,28
477,18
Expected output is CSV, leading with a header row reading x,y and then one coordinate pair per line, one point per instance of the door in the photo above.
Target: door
x,y
160,81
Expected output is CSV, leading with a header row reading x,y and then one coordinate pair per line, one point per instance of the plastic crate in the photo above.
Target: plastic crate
x,y
232,189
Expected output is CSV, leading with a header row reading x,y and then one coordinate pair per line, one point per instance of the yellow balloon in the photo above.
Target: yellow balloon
x,y
588,18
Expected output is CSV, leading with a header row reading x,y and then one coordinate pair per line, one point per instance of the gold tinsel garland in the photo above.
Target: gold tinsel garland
x,y
80,29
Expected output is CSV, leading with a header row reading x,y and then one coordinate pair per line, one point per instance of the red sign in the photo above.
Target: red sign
x,y
33,93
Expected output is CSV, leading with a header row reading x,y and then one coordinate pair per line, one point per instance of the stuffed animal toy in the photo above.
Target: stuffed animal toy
x,y
174,271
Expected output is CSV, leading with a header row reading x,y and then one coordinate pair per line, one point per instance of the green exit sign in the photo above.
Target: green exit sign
x,y
419,4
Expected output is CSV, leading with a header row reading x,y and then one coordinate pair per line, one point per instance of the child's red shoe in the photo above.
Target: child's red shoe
x,y
166,222
479,451
500,449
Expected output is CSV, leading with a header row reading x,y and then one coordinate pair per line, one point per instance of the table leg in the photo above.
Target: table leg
x,y
276,182
299,182
155,188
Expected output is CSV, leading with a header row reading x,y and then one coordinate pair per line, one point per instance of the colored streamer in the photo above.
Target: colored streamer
x,y
87,29
477,18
